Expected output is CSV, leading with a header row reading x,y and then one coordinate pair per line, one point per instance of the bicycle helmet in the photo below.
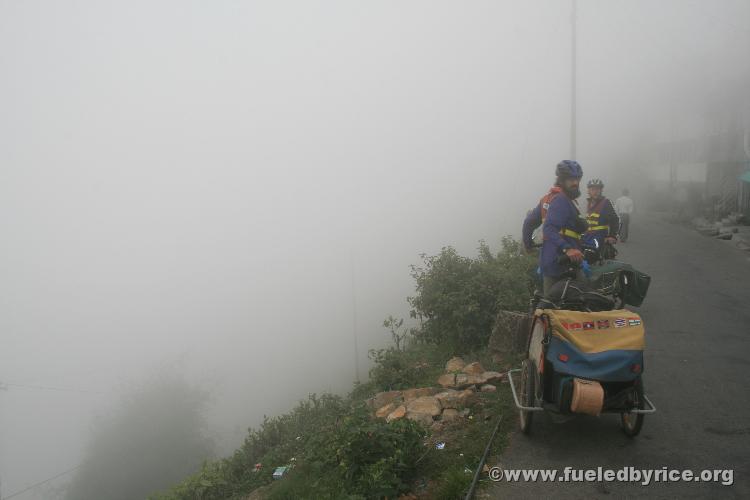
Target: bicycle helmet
x,y
595,183
569,168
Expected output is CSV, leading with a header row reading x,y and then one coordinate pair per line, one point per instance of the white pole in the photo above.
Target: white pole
x,y
573,103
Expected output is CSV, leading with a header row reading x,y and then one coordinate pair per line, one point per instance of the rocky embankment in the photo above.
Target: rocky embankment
x,y
432,406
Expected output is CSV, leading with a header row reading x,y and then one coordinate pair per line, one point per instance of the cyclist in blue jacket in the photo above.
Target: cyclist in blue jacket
x,y
563,225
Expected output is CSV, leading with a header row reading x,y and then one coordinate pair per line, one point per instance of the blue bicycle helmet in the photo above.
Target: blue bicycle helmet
x,y
569,168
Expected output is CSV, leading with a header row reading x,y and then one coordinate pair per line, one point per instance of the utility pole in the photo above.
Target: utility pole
x,y
573,83
354,317
673,155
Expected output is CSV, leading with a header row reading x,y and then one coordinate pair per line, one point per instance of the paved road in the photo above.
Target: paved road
x,y
697,318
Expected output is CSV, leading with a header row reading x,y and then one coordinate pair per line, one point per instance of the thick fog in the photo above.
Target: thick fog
x,y
231,189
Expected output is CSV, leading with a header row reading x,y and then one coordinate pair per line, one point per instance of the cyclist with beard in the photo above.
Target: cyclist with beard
x,y
563,224
536,216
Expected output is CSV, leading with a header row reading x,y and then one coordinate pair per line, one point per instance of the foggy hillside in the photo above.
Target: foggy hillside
x,y
232,188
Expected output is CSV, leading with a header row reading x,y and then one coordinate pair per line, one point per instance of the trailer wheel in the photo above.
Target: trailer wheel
x,y
632,422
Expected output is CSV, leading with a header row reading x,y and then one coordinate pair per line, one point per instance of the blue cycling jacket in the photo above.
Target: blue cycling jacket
x,y
562,229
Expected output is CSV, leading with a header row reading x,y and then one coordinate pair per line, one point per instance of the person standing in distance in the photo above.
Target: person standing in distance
x,y
624,208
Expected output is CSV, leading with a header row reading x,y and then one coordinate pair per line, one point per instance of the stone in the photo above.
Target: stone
x,y
464,381
455,364
466,397
474,368
448,399
477,380
447,380
437,427
396,414
488,388
450,415
385,410
383,398
423,418
493,376
425,404
411,394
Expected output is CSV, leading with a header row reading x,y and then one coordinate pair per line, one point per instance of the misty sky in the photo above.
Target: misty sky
x,y
200,184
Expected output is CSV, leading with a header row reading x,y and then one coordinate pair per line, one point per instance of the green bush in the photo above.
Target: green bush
x,y
418,366
356,456
395,370
339,451
458,297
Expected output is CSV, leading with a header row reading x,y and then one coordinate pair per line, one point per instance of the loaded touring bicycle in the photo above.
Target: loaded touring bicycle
x,y
582,355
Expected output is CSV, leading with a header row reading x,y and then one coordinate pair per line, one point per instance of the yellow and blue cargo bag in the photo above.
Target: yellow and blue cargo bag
x,y
606,346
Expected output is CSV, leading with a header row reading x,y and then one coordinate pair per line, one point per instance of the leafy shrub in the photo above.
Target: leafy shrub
x,y
362,391
356,456
418,366
458,297
394,369
340,451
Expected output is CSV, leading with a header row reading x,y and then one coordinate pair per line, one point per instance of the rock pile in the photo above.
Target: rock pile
x,y
447,404
734,227
462,376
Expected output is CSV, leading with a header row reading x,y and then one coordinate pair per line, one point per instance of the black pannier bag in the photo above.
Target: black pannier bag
x,y
614,275
635,286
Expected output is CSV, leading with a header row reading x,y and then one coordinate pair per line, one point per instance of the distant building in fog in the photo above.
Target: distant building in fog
x,y
724,151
